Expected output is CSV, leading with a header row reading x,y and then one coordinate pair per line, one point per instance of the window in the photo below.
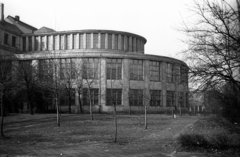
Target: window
x,y
116,41
155,98
114,69
130,44
81,41
93,97
169,73
45,69
183,75
30,43
64,98
154,71
24,44
114,96
127,43
6,70
180,99
56,42
14,41
67,69
6,36
135,97
122,43
109,41
170,98
95,41
136,70
90,68
68,42
103,41
133,44
88,43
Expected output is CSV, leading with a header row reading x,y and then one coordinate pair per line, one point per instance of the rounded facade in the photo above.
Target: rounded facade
x,y
112,69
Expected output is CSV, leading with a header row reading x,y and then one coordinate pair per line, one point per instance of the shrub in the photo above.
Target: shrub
x,y
193,141
221,141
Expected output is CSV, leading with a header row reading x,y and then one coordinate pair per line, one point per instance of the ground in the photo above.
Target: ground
x,y
78,131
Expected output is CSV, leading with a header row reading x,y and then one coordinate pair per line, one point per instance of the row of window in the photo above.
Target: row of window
x,y
136,97
88,68
83,41
10,40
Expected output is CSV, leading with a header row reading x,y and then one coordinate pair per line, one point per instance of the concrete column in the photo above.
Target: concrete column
x,y
163,67
103,82
99,40
71,42
39,43
91,44
57,42
77,46
106,41
45,43
126,82
147,84
84,41
51,43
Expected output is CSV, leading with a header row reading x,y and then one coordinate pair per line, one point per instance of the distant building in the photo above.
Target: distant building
x,y
124,74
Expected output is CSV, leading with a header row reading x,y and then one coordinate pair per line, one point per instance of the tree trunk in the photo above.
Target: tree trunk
x,y
91,113
58,116
115,122
145,117
2,113
69,101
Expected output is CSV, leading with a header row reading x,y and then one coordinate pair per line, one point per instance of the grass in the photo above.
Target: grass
x,y
75,130
212,135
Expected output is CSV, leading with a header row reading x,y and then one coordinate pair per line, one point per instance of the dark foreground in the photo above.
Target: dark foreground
x,y
39,135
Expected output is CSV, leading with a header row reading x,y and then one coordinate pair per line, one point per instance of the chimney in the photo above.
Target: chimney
x,y
17,18
1,12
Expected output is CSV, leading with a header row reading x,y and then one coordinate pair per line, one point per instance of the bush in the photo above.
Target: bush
x,y
193,141
221,141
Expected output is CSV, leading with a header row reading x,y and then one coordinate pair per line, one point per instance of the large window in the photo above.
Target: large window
x,y
24,43
6,36
136,97
90,68
93,97
88,42
67,69
45,69
169,73
155,98
122,43
170,98
136,70
183,75
30,43
114,69
154,71
14,39
116,41
103,41
109,41
81,41
114,96
95,41
180,99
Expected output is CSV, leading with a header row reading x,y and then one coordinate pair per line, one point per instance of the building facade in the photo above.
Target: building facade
x,y
110,67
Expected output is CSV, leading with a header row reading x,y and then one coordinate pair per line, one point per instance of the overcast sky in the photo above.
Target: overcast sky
x,y
155,20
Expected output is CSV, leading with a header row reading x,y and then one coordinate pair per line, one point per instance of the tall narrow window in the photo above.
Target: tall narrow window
x,y
88,41
122,42
155,98
24,44
136,70
109,41
169,73
116,41
127,43
6,36
114,69
136,97
114,96
67,69
154,71
81,41
180,99
170,99
30,43
90,68
14,41
68,41
90,95
95,41
103,41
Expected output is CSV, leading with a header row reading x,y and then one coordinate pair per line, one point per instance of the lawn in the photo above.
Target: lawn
x,y
76,129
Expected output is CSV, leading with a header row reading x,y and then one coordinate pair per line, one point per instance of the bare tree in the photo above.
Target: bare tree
x,y
6,84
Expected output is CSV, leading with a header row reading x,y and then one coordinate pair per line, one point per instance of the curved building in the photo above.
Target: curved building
x,y
104,67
